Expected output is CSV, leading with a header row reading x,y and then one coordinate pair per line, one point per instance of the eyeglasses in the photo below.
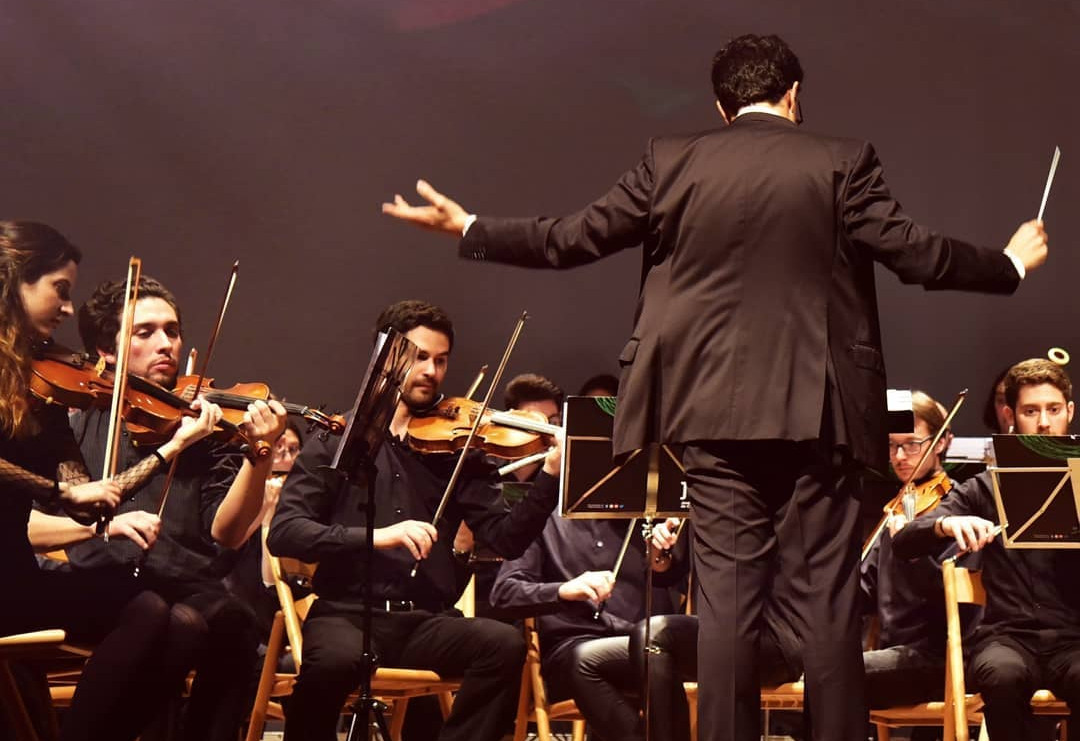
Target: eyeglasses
x,y
910,447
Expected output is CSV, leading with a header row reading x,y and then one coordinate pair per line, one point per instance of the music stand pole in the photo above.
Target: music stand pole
x,y
354,463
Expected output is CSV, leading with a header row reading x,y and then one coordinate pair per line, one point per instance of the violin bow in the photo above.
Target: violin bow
x,y
907,499
618,564
164,497
120,377
477,381
476,425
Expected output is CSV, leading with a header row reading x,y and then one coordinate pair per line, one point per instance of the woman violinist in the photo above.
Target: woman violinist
x,y
907,597
136,658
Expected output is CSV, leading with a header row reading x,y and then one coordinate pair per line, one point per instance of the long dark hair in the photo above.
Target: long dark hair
x,y
28,250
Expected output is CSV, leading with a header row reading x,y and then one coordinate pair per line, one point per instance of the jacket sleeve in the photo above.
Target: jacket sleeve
x,y
617,221
873,220
508,531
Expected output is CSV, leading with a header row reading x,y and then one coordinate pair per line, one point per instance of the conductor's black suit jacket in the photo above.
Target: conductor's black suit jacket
x,y
757,301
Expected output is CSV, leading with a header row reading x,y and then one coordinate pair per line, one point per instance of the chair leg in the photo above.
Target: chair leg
x,y
266,680
12,703
397,718
883,732
579,730
521,720
446,703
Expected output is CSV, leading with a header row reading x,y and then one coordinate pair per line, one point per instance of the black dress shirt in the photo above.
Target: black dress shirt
x,y
1029,592
906,594
318,522
185,552
566,549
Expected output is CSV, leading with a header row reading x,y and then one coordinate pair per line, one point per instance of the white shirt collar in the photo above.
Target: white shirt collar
x,y
759,108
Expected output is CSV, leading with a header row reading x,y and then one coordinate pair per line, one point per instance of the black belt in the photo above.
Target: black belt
x,y
395,605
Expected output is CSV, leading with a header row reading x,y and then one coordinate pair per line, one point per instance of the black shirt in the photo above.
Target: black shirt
x,y
1028,591
907,595
39,452
566,549
317,522
184,552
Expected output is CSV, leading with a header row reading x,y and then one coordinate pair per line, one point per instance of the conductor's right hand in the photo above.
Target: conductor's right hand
x,y
592,586
415,535
87,500
1029,244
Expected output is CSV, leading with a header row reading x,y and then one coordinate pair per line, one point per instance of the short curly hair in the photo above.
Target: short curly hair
x,y
405,316
754,69
1035,372
531,387
99,317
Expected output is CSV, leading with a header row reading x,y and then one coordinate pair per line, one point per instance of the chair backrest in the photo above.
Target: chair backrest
x,y
962,586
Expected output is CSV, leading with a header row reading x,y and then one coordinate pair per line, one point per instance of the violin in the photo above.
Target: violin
x,y
508,435
913,500
152,412
234,401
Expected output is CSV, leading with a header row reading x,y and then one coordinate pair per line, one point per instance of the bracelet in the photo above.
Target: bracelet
x,y
160,457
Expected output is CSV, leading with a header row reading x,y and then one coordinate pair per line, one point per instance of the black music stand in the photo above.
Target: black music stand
x,y
649,483
1037,490
354,463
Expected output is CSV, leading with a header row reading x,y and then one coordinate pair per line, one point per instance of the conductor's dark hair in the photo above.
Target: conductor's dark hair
x,y
754,69
405,316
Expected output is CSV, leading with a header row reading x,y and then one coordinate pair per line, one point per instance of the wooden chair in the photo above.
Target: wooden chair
x,y
964,586
533,705
393,686
40,646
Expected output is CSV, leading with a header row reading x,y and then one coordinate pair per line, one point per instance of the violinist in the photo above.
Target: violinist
x,y
212,506
135,659
414,624
907,597
1029,636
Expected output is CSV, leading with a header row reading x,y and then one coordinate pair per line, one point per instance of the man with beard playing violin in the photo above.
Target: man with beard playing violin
x,y
212,506
413,623
907,597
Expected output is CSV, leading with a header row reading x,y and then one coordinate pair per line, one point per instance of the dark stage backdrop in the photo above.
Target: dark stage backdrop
x,y
194,132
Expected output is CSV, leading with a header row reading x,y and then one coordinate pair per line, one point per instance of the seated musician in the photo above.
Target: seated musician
x,y
564,577
212,506
907,597
414,625
525,392
1029,637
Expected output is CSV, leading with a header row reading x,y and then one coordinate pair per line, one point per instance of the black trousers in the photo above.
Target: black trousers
x,y
759,508
598,675
142,648
1007,669
486,654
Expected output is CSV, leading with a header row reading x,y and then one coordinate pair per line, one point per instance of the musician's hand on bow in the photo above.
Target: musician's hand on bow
x,y
896,523
590,586
1029,244
665,534
553,460
192,429
970,533
415,535
442,215
141,528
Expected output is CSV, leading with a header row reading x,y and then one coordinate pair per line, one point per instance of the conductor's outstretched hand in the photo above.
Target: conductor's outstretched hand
x,y
441,215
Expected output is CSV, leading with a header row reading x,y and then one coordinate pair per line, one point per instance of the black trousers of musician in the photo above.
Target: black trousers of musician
x,y
758,506
598,675
223,690
142,648
487,655
1007,669
673,660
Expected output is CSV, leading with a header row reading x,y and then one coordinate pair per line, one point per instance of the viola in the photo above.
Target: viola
x,y
234,401
508,435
